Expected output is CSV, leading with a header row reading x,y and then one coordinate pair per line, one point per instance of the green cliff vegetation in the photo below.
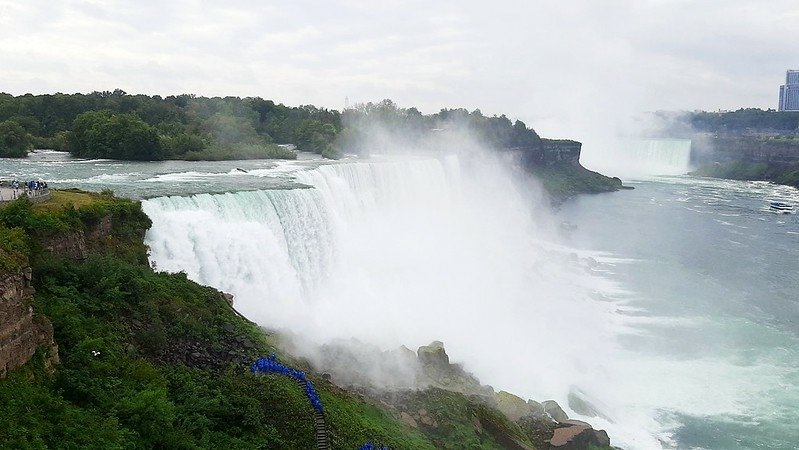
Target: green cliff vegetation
x,y
565,181
154,360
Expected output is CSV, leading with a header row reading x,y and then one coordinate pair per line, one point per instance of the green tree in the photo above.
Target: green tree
x,y
315,136
103,134
14,140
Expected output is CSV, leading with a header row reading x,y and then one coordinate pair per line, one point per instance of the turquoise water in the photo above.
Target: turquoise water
x,y
714,275
705,277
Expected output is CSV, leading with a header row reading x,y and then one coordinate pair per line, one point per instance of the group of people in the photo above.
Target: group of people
x,y
12,190
270,364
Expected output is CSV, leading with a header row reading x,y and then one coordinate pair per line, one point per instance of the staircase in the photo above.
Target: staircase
x,y
322,437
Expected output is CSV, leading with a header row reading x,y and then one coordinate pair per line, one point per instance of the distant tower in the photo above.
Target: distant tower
x,y
789,92
346,103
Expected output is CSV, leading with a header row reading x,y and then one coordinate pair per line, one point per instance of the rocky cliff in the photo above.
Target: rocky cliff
x,y
747,157
747,148
22,331
552,152
556,163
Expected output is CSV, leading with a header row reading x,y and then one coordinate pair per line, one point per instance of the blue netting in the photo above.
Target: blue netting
x,y
371,446
270,364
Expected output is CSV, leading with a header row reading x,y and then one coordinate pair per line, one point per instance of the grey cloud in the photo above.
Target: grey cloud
x,y
567,68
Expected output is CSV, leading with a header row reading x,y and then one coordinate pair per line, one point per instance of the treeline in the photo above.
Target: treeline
x,y
372,125
139,127
121,126
742,121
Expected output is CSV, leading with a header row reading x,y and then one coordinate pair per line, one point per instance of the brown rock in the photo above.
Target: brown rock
x,y
21,331
410,421
577,435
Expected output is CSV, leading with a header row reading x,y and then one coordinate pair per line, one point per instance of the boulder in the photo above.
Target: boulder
x,y
579,403
408,420
433,355
578,435
554,410
512,406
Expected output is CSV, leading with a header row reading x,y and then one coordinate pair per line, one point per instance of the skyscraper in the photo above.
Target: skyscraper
x,y
789,92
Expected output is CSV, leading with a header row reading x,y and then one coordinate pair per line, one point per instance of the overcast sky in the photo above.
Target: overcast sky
x,y
562,66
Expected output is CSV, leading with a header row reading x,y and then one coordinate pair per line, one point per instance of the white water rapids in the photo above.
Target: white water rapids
x,y
405,252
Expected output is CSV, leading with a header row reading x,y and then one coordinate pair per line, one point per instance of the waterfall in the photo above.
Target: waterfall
x,y
640,157
404,252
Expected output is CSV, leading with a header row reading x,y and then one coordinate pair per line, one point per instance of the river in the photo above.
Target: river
x,y
671,307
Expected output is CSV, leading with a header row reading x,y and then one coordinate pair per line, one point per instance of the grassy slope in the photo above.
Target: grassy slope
x,y
172,368
565,181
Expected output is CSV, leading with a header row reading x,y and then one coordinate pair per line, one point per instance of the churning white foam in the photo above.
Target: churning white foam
x,y
404,252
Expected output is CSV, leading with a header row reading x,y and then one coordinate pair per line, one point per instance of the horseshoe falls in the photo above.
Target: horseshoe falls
x,y
634,158
629,308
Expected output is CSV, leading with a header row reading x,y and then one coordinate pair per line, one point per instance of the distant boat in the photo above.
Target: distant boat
x,y
781,207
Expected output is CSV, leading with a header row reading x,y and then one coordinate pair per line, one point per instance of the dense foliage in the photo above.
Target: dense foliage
x,y
377,125
102,134
745,119
742,121
140,127
15,141
118,125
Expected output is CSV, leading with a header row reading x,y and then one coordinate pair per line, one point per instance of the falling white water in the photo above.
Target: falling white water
x,y
635,158
406,252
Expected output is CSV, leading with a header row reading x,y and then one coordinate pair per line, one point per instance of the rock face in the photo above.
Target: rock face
x,y
21,331
710,148
71,245
554,410
515,407
433,355
552,152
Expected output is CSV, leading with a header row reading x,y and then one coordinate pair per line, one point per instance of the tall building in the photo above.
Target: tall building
x,y
789,92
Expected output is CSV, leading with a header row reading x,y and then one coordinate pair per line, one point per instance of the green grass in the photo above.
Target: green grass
x,y
565,181
61,199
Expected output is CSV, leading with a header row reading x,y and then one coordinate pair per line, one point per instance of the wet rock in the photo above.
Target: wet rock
x,y
578,435
579,403
554,410
433,355
512,406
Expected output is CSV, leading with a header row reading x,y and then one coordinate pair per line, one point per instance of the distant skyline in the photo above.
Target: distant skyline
x,y
566,68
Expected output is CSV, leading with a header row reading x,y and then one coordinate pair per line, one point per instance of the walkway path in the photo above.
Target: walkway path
x,y
8,194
